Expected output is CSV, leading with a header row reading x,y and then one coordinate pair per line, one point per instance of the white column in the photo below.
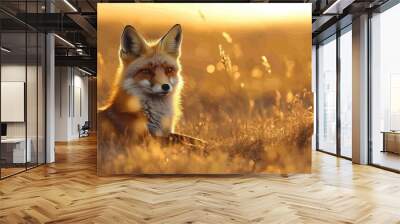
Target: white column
x,y
62,103
50,100
360,89
50,92
314,91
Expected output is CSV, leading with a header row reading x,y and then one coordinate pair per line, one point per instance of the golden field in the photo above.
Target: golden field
x,y
247,72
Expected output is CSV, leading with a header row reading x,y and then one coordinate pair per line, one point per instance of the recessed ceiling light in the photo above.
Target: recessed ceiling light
x,y
84,71
70,5
5,49
65,41
338,6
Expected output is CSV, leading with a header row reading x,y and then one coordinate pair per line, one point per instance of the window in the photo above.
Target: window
x,y
385,89
346,95
327,96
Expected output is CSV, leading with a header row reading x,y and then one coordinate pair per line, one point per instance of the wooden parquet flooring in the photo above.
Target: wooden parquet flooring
x,y
69,191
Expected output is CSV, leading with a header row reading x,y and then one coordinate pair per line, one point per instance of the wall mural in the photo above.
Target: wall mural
x,y
204,88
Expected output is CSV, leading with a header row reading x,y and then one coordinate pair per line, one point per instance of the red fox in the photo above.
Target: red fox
x,y
146,98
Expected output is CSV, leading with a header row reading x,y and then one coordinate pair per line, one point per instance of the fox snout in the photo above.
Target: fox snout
x,y
156,81
166,87
162,89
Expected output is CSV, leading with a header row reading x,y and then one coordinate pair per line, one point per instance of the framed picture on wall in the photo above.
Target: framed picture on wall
x,y
204,88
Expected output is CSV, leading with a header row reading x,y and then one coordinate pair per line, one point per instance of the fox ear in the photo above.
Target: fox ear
x,y
171,42
132,43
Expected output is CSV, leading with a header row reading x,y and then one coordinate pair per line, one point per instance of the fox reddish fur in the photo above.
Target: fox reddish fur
x,y
146,97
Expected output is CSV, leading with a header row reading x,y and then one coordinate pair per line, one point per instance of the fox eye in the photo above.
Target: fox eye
x,y
146,71
169,70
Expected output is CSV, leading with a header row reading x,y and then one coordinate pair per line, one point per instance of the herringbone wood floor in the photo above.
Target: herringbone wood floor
x,y
70,192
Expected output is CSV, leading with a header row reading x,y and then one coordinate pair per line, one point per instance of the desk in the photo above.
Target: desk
x,y
13,150
391,141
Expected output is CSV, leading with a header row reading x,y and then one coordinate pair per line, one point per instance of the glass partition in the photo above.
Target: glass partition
x,y
327,95
22,90
14,153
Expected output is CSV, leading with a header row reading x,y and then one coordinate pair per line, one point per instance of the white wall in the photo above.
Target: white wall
x,y
12,73
62,81
9,73
71,102
80,110
33,127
